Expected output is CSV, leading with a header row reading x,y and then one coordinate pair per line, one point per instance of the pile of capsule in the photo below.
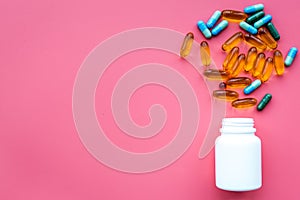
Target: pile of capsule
x,y
261,35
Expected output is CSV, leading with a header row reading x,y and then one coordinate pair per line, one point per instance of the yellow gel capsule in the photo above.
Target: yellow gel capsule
x,y
244,103
231,58
238,82
278,62
187,45
234,15
216,74
240,63
268,69
251,57
259,65
228,95
267,38
205,53
233,41
255,41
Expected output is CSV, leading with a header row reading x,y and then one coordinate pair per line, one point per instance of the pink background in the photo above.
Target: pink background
x,y
42,46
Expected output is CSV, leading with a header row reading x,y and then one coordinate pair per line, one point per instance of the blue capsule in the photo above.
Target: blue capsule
x,y
213,19
253,86
204,30
220,27
254,8
266,19
290,56
247,27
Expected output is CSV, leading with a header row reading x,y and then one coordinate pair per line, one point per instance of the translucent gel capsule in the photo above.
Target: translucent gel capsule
x,y
266,19
203,29
187,45
289,59
254,8
240,63
267,38
231,58
268,69
247,27
251,57
213,19
216,74
255,17
219,27
238,82
244,103
273,31
228,95
259,65
205,53
234,15
264,102
252,87
278,62
255,41
233,41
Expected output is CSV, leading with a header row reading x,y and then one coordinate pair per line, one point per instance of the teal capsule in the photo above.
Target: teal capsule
x,y
213,19
266,19
273,31
253,86
204,30
255,17
290,56
220,27
264,102
247,27
254,8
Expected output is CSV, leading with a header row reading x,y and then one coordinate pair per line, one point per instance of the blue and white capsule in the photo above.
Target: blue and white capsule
x,y
220,27
266,19
253,86
290,56
213,19
254,8
204,30
247,27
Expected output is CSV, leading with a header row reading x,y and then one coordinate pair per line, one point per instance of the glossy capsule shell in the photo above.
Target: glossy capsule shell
x,y
278,62
290,56
203,29
264,102
187,45
216,74
244,103
238,82
273,31
219,27
213,19
252,87
254,8
234,40
234,15
228,95
267,38
268,70
231,58
205,53
254,18
266,19
255,41
259,65
239,65
247,27
250,60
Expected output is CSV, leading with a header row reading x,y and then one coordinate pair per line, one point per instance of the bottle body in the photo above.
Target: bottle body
x,y
238,158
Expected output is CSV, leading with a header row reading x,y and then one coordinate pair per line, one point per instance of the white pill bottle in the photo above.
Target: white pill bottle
x,y
238,156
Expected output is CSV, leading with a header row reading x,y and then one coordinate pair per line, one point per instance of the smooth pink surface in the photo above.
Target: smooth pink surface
x,y
42,46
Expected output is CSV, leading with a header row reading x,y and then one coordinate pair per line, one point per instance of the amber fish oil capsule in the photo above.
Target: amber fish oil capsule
x,y
205,53
273,31
216,74
234,40
219,28
213,19
290,56
231,58
239,65
244,103
250,60
247,27
268,70
204,30
228,95
234,15
264,102
187,45
266,19
255,41
238,82
267,38
259,65
278,62
254,18
252,87
254,8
